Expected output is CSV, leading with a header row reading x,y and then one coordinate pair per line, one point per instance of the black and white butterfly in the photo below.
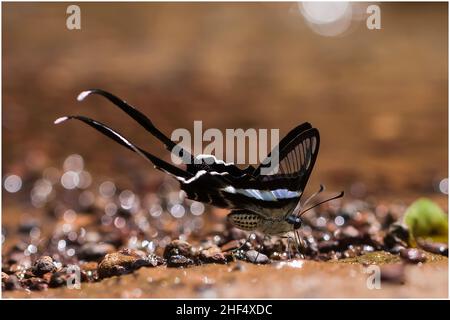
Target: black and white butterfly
x,y
268,203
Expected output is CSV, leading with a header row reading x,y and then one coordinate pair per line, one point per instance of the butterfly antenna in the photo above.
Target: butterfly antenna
x,y
340,195
321,189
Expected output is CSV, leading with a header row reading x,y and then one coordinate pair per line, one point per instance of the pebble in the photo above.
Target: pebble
x,y
396,249
179,261
95,251
413,255
232,245
126,261
398,234
177,247
5,278
43,265
11,283
89,271
57,279
213,255
256,257
351,253
276,256
434,247
34,284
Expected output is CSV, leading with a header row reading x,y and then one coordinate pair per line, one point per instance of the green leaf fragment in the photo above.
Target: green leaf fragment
x,y
425,219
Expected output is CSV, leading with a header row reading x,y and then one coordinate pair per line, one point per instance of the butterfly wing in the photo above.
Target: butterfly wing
x,y
272,195
287,182
296,161
223,184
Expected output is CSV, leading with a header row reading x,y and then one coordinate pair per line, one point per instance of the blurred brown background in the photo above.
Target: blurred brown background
x,y
378,97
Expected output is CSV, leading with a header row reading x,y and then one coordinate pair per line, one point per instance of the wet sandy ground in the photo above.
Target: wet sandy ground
x,y
294,279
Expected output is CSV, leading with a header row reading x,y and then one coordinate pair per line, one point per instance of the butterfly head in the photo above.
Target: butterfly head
x,y
295,221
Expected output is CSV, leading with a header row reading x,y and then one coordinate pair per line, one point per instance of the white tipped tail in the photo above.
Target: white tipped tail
x,y
83,95
60,120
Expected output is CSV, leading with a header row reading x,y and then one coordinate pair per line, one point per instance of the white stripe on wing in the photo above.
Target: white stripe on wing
x,y
264,195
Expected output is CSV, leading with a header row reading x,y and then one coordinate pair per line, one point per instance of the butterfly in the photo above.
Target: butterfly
x,y
268,203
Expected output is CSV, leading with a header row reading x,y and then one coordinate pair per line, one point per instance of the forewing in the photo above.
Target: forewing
x,y
283,143
296,161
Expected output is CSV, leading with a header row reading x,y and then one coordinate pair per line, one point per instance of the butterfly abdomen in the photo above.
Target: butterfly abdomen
x,y
245,220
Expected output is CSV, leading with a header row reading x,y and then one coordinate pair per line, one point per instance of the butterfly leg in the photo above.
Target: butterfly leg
x,y
289,239
300,245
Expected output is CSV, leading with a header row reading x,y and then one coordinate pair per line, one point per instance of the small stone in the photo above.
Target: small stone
x,y
47,277
396,249
413,255
179,261
398,234
27,274
213,255
35,284
256,257
126,261
89,266
276,256
5,278
434,247
350,253
43,265
232,245
366,248
178,247
57,279
95,251
309,246
327,246
229,256
11,283
89,271
393,273
335,255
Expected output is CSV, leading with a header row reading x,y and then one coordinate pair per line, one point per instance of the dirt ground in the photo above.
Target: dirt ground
x,y
294,279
